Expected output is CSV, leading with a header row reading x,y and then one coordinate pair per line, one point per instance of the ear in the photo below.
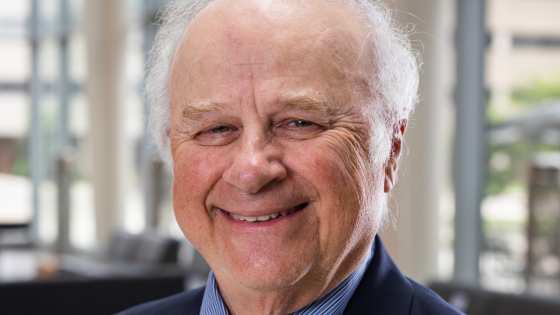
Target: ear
x,y
390,165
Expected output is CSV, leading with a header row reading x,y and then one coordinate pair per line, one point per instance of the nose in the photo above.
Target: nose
x,y
255,164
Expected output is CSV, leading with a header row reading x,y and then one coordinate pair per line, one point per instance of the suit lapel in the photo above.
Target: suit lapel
x,y
383,289
190,303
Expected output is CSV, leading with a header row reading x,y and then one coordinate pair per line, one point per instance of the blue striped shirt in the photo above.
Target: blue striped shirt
x,y
333,303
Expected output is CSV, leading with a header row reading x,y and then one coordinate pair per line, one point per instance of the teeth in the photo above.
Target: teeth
x,y
264,218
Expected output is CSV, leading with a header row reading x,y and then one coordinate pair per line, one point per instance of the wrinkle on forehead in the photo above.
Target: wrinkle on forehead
x,y
239,23
234,40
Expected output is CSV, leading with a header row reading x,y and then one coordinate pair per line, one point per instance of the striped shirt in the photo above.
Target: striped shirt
x,y
333,303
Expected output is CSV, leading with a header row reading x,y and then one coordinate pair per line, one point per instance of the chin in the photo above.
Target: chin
x,y
266,270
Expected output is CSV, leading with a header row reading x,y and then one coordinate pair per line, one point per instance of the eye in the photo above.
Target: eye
x,y
218,135
220,129
298,129
300,123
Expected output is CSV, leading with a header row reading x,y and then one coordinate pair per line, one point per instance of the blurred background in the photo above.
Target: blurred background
x,y
83,198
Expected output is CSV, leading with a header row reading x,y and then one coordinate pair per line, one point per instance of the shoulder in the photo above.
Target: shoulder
x,y
426,301
185,303
385,290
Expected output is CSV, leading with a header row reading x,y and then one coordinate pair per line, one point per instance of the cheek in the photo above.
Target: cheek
x,y
336,167
196,169
327,168
195,173
335,162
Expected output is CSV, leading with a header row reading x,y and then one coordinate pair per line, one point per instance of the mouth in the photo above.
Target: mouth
x,y
268,217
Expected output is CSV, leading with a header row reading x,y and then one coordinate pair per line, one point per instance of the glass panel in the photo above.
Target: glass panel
x,y
14,10
15,53
134,211
18,52
49,62
15,187
82,215
49,15
82,211
49,115
75,9
77,58
523,61
523,77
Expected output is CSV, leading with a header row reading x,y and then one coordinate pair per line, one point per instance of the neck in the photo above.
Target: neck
x,y
288,299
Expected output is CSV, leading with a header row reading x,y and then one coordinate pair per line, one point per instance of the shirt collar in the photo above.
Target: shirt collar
x,y
333,303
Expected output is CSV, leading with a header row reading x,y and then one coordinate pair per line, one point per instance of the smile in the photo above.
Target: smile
x,y
268,217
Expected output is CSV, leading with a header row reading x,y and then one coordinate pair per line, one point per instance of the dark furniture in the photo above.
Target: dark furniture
x,y
476,301
85,296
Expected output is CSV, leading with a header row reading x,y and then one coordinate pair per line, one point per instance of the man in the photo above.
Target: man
x,y
283,121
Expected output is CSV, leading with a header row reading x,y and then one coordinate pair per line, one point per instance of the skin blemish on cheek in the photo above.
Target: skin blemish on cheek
x,y
233,41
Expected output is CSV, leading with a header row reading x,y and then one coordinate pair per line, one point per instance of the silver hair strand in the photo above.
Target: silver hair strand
x,y
393,83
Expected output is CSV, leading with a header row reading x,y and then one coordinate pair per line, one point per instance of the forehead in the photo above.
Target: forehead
x,y
278,18
234,40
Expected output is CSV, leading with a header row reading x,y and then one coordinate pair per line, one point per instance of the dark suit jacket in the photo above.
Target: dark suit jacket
x,y
383,290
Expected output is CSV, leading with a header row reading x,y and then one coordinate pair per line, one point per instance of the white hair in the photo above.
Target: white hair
x,y
393,83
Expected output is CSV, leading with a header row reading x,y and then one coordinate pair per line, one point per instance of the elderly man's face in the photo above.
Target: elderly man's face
x,y
269,146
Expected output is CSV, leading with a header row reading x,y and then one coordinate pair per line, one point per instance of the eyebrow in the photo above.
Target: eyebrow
x,y
308,103
195,111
